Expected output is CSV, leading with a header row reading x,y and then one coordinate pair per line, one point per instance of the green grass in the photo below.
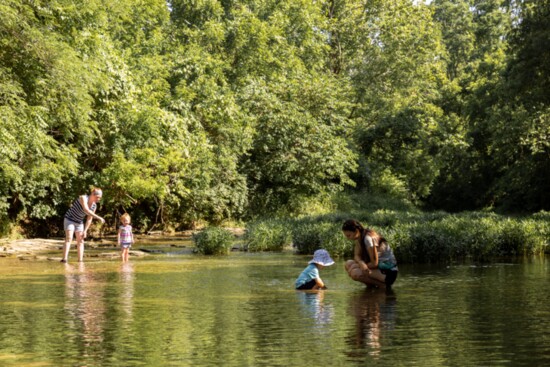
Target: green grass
x,y
473,235
267,235
415,236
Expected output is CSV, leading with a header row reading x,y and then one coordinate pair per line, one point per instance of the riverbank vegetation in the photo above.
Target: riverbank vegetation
x,y
213,241
416,236
192,113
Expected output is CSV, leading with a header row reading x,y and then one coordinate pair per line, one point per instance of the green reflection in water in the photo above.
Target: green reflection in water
x,y
241,310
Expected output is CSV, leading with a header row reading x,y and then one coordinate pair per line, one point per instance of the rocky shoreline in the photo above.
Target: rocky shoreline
x,y
50,249
9,248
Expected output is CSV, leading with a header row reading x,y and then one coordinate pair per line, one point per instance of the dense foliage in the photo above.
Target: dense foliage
x,y
420,237
208,110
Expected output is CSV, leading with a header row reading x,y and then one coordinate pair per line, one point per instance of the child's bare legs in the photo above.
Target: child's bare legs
x,y
125,253
356,273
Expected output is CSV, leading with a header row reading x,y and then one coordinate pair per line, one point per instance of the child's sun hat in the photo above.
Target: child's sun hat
x,y
322,257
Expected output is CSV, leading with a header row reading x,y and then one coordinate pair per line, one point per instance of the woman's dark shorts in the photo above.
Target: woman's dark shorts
x,y
391,275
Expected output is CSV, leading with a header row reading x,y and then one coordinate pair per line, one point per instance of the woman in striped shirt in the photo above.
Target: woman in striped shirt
x,y
83,206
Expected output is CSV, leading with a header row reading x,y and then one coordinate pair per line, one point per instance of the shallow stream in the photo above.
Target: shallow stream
x,y
241,310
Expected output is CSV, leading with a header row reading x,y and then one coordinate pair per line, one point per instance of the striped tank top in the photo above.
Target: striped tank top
x,y
76,212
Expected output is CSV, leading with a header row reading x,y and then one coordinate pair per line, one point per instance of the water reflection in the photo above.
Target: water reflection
x,y
127,293
314,307
185,311
375,314
85,305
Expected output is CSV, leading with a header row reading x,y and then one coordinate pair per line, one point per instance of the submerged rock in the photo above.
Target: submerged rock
x,y
137,253
152,250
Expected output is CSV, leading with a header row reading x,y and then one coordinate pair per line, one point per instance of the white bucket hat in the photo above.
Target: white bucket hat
x,y
322,257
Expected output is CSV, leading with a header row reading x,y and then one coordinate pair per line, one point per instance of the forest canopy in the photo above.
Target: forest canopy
x,y
207,110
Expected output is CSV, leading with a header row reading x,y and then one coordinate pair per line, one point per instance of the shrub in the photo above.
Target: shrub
x,y
306,235
304,238
332,239
311,234
424,243
518,238
213,241
5,226
541,223
268,235
542,215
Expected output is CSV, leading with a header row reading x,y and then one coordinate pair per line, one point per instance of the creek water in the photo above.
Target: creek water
x,y
242,310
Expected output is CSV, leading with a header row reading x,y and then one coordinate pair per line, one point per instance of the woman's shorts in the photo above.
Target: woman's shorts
x,y
126,245
69,225
391,275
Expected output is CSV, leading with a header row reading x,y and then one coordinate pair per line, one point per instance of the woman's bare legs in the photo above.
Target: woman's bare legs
x,y
356,273
67,246
80,245
377,275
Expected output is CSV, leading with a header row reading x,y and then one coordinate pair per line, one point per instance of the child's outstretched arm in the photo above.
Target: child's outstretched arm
x,y
319,284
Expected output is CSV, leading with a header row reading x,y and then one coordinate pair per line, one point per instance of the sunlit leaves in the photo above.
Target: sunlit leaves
x,y
296,155
207,110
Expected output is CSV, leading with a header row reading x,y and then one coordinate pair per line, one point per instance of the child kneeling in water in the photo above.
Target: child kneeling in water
x,y
309,278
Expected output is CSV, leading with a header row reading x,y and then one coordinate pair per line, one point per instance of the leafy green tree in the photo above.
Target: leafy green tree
x,y
475,37
391,51
248,95
300,150
188,111
44,104
520,148
456,22
202,92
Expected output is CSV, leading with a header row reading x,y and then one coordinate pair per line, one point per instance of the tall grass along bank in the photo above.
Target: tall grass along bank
x,y
416,237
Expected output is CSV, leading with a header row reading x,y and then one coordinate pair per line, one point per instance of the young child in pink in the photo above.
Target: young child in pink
x,y
125,236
